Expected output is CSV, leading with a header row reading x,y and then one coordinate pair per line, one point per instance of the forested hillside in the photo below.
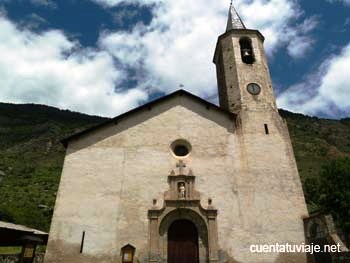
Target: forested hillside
x,y
31,155
31,158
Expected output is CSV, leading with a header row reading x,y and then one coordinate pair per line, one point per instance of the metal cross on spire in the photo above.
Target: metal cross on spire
x,y
234,21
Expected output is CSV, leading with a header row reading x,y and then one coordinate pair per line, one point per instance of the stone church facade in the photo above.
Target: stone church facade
x,y
183,180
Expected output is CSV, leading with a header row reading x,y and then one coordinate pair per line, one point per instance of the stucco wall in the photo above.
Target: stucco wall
x,y
111,176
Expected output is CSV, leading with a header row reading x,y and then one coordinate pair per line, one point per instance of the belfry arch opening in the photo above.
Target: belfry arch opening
x,y
247,53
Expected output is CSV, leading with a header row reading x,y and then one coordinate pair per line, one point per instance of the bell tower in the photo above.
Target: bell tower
x,y
267,181
243,76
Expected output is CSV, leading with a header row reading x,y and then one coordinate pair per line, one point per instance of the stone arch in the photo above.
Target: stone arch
x,y
184,213
192,216
317,234
203,219
316,225
247,52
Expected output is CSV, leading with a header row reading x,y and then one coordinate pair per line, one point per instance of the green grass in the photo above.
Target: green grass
x,y
10,250
17,250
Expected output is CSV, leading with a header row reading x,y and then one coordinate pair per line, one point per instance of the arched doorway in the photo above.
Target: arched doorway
x,y
183,242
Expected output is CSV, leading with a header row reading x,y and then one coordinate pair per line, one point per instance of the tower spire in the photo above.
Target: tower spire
x,y
234,21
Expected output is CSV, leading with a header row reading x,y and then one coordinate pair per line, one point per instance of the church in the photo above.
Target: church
x,y
182,180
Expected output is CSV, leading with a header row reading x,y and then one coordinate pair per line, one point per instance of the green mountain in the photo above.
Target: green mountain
x,y
31,154
31,158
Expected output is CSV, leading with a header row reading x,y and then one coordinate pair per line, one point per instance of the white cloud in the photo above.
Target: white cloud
x,y
325,92
46,3
178,45
49,69
32,21
111,3
298,38
299,45
346,2
175,48
273,20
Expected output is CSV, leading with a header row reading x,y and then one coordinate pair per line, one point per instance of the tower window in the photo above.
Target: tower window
x,y
247,53
266,129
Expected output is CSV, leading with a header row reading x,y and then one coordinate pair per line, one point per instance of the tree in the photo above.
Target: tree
x,y
334,192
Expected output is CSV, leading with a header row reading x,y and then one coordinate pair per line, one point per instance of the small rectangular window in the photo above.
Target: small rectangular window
x,y
82,242
266,129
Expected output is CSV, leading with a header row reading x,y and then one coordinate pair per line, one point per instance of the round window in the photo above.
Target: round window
x,y
181,148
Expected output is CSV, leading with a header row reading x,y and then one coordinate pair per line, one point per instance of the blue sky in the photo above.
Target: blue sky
x,y
104,57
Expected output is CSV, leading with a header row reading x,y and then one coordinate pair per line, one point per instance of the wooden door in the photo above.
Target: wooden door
x,y
183,242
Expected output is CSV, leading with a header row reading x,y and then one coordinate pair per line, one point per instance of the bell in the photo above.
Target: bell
x,y
247,56
246,53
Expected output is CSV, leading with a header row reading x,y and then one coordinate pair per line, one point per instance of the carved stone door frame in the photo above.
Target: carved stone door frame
x,y
180,204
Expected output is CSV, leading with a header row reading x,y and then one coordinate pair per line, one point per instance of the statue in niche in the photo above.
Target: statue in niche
x,y
182,191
